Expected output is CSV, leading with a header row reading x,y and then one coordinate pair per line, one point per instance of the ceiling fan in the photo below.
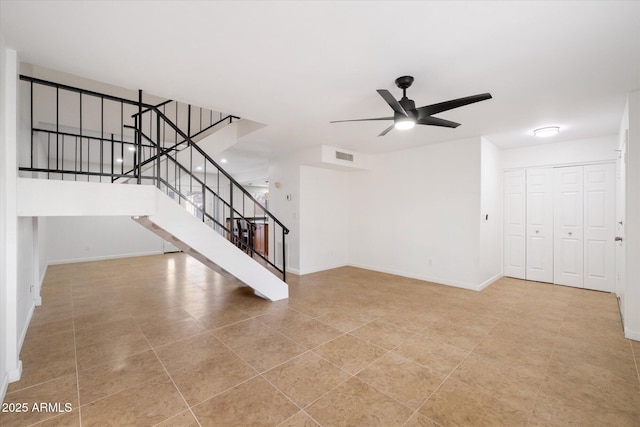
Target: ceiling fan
x,y
406,115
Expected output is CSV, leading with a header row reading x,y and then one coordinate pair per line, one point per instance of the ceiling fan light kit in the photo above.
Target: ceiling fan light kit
x,y
404,123
406,115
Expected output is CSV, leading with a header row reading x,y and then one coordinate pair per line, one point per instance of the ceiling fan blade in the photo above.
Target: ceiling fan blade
x,y
450,105
393,103
435,121
387,130
362,120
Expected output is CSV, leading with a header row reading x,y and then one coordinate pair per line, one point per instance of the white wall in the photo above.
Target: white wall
x,y
324,213
10,366
4,247
284,202
560,153
89,238
43,261
416,213
490,213
621,206
69,114
631,309
28,265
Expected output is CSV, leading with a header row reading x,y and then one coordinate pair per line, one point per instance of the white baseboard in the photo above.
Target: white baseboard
x,y
632,335
38,298
15,374
4,384
103,257
436,280
489,281
315,270
23,333
293,270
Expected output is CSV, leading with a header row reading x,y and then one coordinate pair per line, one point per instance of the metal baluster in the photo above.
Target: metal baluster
x,y
101,137
158,150
31,129
121,136
204,204
112,157
62,161
139,139
80,164
48,154
284,262
57,123
231,210
75,159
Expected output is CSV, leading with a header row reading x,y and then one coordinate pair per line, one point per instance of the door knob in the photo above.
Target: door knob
x,y
570,234
537,231
618,239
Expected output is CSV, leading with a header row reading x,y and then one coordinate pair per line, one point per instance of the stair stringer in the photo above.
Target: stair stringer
x,y
173,223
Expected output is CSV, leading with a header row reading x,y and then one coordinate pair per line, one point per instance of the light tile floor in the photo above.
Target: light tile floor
x,y
162,340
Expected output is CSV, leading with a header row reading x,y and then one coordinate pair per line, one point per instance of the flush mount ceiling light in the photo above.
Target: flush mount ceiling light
x,y
223,160
546,131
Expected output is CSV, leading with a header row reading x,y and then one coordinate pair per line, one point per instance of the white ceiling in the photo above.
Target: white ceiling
x,y
297,65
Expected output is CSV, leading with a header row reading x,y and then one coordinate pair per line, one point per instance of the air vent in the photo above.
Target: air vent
x,y
344,156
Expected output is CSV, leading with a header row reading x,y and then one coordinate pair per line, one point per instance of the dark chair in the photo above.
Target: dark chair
x,y
245,235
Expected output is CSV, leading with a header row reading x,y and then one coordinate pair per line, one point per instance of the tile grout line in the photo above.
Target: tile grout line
x,y
362,369
257,374
106,363
449,375
53,379
282,392
124,389
416,333
304,412
544,375
75,351
635,359
336,366
174,384
555,349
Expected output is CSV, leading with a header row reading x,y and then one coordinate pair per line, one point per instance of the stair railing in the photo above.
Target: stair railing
x,y
224,203
81,134
192,120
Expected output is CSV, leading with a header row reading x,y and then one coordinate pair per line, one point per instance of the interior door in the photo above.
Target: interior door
x,y
599,227
515,227
568,245
539,220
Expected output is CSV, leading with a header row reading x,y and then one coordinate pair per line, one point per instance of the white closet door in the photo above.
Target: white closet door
x,y
599,227
539,250
514,228
568,229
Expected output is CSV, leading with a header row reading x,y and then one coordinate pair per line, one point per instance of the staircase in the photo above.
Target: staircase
x,y
189,200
